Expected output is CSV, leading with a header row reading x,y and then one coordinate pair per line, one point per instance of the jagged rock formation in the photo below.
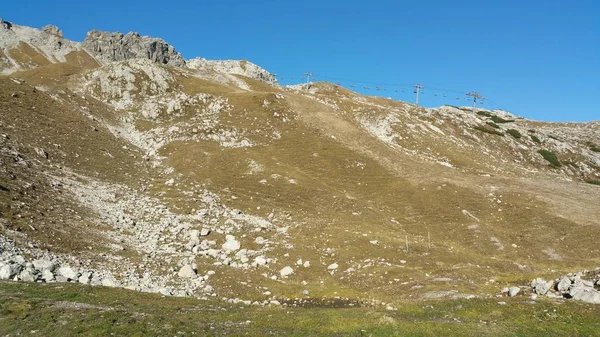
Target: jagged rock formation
x,y
117,47
24,47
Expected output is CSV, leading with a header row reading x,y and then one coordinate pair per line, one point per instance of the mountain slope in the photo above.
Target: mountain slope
x,y
209,179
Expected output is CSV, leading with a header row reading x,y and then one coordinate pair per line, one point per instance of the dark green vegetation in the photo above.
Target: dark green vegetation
x,y
593,181
535,139
551,158
494,125
494,118
488,130
593,147
514,133
69,309
500,120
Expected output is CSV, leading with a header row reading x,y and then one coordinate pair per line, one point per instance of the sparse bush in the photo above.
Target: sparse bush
x,y
551,158
488,130
535,139
514,133
531,130
554,137
500,120
484,113
453,106
593,181
494,125
595,148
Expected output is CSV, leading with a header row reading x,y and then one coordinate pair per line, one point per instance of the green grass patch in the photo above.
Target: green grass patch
x,y
488,130
593,181
70,309
515,133
551,158
535,139
494,125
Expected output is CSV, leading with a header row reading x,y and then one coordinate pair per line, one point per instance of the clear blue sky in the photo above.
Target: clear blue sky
x,y
538,58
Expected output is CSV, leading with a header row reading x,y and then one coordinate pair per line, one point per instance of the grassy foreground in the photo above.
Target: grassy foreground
x,y
70,309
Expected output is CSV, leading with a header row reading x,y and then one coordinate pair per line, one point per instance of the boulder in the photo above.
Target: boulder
x,y
585,294
68,272
563,284
85,277
333,266
9,271
540,286
47,275
43,264
187,271
513,291
231,244
260,261
286,271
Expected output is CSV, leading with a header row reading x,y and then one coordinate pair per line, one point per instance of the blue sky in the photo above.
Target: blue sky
x,y
538,59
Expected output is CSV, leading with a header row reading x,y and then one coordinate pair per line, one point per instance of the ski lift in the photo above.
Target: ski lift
x,y
435,94
384,89
445,95
402,90
365,87
458,98
396,90
352,86
377,88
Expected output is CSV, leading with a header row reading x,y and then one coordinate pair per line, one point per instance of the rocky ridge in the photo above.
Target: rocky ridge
x,y
21,45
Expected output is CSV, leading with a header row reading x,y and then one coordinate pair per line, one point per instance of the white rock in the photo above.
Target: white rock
x,y
306,264
8,271
204,232
333,266
513,291
68,272
231,244
286,271
187,272
85,278
42,264
47,275
299,262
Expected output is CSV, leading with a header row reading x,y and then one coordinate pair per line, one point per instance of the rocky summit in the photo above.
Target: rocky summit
x,y
125,166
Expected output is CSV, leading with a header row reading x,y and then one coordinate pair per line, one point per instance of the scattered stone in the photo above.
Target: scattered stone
x,y
540,286
231,244
333,266
68,272
513,291
187,271
286,271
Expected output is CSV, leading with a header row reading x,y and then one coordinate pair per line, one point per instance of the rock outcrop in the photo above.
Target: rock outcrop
x,y
117,47
236,67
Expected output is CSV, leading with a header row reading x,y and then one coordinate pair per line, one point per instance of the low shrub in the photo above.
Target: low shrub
x,y
535,139
593,181
494,125
514,133
500,120
488,130
551,158
484,113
